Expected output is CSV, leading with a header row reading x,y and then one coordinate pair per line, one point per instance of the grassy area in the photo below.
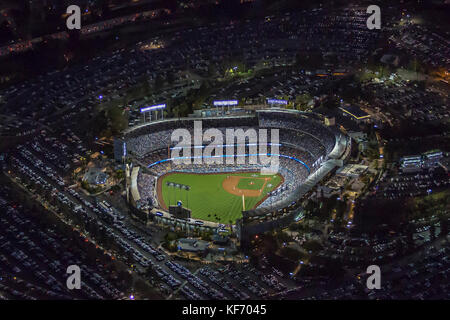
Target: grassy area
x,y
432,204
250,184
209,201
394,150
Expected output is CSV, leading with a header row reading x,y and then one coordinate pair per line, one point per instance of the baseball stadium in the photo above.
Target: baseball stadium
x,y
222,191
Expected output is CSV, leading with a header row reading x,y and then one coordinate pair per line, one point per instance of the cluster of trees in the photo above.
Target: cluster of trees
x,y
372,215
292,254
194,99
429,205
117,119
325,208
108,122
312,245
170,239
302,101
331,102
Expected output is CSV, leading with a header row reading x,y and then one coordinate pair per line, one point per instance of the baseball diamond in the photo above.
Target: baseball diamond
x,y
217,197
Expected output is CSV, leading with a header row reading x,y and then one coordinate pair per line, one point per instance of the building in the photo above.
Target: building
x,y
417,163
192,245
220,240
445,164
411,164
431,159
324,191
355,113
358,136
352,170
120,149
95,176
330,121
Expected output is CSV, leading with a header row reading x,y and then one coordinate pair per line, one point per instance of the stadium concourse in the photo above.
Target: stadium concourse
x,y
308,151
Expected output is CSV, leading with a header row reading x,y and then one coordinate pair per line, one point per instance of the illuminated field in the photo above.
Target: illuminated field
x,y
217,197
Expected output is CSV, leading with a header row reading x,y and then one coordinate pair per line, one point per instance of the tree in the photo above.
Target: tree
x,y
171,5
432,232
212,69
444,225
331,102
399,247
159,82
117,120
6,33
230,8
206,236
415,65
120,174
312,245
170,78
292,254
303,100
283,236
311,60
315,60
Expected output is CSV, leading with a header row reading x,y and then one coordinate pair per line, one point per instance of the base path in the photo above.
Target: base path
x,y
230,185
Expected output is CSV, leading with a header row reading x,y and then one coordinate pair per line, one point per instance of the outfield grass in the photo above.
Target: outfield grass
x,y
209,201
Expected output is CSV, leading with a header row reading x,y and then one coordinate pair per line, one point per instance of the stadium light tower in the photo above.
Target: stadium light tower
x,y
277,102
155,109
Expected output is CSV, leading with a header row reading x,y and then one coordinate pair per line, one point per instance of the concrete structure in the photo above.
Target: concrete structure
x,y
192,245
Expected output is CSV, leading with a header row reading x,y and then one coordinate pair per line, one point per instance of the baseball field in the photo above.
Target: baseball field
x,y
216,197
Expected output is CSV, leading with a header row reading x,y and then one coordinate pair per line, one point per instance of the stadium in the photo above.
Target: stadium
x,y
230,194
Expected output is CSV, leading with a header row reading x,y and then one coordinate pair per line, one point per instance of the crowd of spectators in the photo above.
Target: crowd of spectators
x,y
300,123
295,130
147,188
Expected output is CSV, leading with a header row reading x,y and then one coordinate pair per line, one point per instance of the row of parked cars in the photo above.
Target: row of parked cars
x,y
38,163
115,228
37,258
230,288
141,242
195,281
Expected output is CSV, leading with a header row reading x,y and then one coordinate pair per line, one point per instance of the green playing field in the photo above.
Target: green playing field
x,y
207,198
250,184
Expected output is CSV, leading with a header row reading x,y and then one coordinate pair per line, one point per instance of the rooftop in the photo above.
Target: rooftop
x,y
355,112
192,245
